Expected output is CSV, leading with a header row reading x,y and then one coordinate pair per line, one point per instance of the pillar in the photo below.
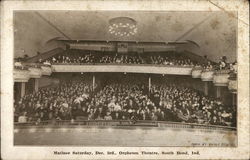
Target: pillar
x,y
206,88
93,82
218,92
149,84
234,99
35,85
22,89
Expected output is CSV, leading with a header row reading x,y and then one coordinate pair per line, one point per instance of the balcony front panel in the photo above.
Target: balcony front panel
x,y
232,86
154,69
21,75
35,72
207,75
46,70
196,72
221,78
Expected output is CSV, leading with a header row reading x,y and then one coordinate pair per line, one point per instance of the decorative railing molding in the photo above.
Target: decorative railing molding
x,y
196,72
221,78
120,123
46,70
207,75
232,86
21,75
153,69
35,72
232,76
232,83
223,71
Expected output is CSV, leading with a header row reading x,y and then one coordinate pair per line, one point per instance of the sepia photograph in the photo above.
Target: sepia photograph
x,y
125,79
96,78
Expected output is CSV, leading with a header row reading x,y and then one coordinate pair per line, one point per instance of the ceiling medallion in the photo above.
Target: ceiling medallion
x,y
122,26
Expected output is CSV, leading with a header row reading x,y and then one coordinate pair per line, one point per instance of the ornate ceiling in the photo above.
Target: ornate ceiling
x,y
214,32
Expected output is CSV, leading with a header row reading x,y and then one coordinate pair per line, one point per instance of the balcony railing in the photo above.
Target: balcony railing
x,y
121,123
35,70
21,75
196,72
220,78
129,64
128,68
207,75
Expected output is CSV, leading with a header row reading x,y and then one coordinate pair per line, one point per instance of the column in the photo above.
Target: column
x,y
218,92
206,88
149,84
93,85
35,85
234,99
22,89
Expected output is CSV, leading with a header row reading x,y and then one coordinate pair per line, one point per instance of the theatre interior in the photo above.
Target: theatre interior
x,y
125,78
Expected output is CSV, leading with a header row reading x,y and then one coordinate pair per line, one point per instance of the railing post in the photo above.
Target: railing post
x,y
35,85
206,88
218,91
234,99
93,82
22,89
149,84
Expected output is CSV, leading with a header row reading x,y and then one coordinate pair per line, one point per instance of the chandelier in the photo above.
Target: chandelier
x,y
122,26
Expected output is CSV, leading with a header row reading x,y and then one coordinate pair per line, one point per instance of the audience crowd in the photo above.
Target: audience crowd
x,y
160,59
221,65
170,59
77,100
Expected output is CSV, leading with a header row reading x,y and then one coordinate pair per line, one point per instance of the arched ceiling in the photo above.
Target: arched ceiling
x,y
214,32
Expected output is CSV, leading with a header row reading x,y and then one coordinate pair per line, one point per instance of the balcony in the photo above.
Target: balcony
x,y
232,83
46,70
196,72
221,78
128,68
21,75
35,72
207,75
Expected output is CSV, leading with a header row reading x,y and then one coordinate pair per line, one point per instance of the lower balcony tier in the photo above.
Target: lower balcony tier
x,y
160,69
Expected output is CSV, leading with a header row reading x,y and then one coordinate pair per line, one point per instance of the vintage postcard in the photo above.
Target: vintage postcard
x,y
125,79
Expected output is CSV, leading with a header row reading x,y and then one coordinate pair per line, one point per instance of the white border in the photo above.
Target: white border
x,y
7,8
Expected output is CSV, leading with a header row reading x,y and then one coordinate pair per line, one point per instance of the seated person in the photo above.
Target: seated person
x,y
108,116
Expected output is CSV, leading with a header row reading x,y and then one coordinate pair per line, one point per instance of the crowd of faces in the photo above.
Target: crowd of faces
x,y
78,100
159,59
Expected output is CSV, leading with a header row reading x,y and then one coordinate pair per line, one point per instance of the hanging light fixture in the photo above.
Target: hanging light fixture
x,y
122,26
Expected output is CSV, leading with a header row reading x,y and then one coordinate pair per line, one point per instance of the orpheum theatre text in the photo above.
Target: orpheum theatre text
x,y
89,153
